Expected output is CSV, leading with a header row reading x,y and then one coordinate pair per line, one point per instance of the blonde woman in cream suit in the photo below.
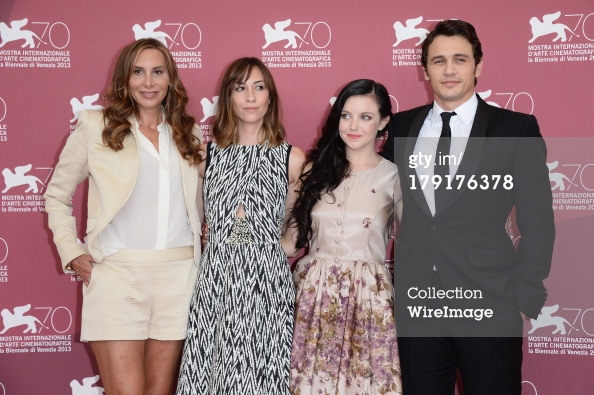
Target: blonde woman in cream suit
x,y
142,245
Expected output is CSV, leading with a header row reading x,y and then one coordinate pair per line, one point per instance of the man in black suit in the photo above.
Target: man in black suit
x,y
462,290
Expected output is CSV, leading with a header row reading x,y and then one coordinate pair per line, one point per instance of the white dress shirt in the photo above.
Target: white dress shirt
x,y
155,215
426,144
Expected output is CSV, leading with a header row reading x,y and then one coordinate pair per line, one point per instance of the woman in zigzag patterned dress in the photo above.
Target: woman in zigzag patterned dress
x,y
241,317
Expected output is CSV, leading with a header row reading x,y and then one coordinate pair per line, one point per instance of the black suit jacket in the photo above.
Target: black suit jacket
x,y
466,240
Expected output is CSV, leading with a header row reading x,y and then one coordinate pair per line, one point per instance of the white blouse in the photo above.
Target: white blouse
x,y
155,215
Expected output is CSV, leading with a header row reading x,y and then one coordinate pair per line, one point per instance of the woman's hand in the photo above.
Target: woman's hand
x,y
83,265
204,236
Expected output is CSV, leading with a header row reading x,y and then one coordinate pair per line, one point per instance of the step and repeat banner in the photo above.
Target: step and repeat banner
x,y
56,58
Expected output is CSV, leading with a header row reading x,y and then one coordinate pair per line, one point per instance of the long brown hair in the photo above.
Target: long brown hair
x,y
224,129
120,105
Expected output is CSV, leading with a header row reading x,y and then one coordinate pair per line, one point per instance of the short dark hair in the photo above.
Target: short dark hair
x,y
453,27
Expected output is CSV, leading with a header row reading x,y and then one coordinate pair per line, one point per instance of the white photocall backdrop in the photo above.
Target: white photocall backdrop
x,y
55,60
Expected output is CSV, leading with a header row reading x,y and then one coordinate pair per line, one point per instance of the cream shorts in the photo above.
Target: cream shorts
x,y
138,295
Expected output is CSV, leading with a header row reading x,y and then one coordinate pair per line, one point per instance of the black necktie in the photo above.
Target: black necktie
x,y
443,148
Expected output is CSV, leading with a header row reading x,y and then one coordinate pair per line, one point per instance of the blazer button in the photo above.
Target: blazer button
x,y
433,228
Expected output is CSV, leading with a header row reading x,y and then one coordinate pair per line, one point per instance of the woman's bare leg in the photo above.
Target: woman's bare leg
x,y
161,363
138,367
121,366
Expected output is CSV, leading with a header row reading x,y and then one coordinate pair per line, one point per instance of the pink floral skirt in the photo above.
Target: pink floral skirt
x,y
344,340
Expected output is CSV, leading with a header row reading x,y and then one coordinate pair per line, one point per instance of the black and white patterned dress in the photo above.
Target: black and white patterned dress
x,y
241,316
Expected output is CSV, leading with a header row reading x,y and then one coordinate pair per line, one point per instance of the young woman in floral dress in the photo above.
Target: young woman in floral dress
x,y
344,340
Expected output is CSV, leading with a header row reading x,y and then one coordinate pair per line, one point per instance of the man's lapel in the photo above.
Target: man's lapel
x,y
409,172
472,155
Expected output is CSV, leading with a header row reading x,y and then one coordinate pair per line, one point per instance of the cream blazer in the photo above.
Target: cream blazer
x,y
112,175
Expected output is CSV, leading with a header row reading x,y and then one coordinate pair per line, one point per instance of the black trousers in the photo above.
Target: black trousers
x,y
432,351
487,366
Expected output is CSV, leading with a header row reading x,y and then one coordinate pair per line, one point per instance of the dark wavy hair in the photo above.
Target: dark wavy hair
x,y
450,28
120,104
224,127
327,160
